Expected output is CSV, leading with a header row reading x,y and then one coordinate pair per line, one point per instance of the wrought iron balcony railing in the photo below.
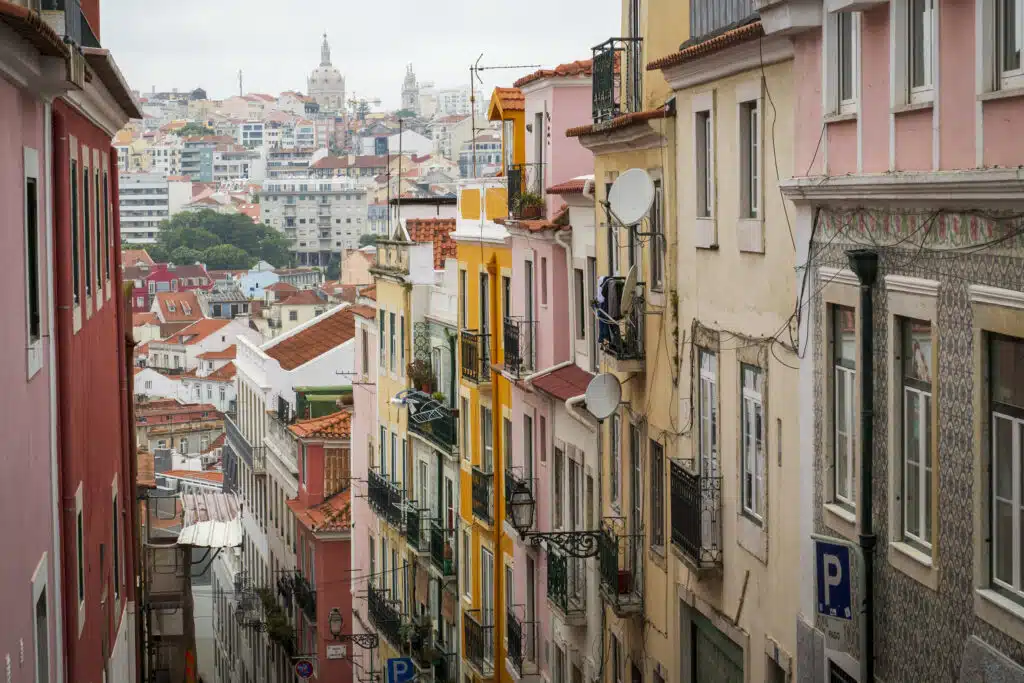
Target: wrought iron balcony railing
x,y
384,616
443,549
519,350
386,500
567,585
476,356
305,597
526,197
621,563
621,331
441,428
617,81
514,641
478,629
697,516
483,495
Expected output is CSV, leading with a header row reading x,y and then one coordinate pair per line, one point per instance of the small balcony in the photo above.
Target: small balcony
x,y
483,495
621,330
443,549
479,636
514,642
697,519
386,500
476,356
520,358
254,456
621,563
415,533
617,81
280,439
446,664
439,426
567,588
76,27
305,597
384,616
526,198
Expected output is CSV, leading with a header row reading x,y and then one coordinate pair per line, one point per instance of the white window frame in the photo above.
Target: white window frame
x,y
707,412
752,443
843,379
615,459
1011,78
34,343
750,158
40,585
486,440
834,104
467,571
704,146
924,472
1017,498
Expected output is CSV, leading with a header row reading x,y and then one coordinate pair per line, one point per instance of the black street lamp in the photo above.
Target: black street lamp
x,y
335,621
580,544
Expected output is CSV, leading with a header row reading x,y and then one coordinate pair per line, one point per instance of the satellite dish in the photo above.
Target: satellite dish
x,y
631,196
626,301
603,395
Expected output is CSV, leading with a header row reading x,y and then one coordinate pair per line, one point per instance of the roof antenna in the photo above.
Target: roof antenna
x,y
239,82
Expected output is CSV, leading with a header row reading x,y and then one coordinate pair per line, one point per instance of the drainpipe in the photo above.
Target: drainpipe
x,y
569,285
571,407
864,264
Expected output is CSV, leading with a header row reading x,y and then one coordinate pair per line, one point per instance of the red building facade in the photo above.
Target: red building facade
x,y
147,281
323,521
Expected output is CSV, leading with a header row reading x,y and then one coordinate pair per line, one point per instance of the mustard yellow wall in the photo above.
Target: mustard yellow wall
x,y
475,258
665,25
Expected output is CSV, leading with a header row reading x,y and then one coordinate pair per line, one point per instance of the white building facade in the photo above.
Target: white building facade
x,y
146,199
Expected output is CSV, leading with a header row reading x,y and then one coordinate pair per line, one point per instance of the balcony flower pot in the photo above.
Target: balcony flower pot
x,y
531,212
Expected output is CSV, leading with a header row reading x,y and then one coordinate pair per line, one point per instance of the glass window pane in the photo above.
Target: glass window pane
x,y
912,426
1003,534
917,350
1004,458
1007,371
845,45
844,339
919,17
913,499
1011,35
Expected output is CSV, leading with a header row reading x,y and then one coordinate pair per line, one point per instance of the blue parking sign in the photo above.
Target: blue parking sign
x,y
833,574
400,670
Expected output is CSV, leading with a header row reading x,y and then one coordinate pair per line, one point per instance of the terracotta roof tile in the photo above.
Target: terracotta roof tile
x,y
306,297
222,374
334,514
281,287
706,45
623,121
369,292
147,318
435,230
564,383
574,186
325,333
211,477
197,331
186,306
216,443
132,257
364,311
582,67
145,476
509,99
334,426
226,354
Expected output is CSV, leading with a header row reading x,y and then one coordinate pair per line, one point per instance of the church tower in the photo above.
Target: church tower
x,y
410,91
326,85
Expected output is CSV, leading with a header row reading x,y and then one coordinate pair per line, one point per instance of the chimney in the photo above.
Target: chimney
x,y
351,159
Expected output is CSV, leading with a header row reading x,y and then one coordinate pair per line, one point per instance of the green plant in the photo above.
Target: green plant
x,y
530,199
421,374
438,396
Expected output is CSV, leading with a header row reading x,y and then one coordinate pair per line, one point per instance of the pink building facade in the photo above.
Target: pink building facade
x,y
906,153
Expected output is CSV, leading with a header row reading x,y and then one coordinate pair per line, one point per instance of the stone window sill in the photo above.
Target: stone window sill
x,y
912,106
841,520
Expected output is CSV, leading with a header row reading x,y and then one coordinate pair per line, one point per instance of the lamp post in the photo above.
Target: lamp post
x,y
335,622
579,544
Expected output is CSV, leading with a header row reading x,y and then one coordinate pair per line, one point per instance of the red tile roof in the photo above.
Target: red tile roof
x,y
327,332
211,477
133,257
30,26
574,186
227,354
197,331
147,318
369,292
722,40
216,443
222,374
281,287
334,426
564,383
509,99
435,230
306,297
623,121
186,306
582,67
334,514
364,311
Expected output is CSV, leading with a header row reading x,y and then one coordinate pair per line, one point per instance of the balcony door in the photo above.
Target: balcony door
x,y
528,282
485,304
487,601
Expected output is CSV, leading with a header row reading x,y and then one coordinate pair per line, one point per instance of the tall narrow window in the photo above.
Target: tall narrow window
x,y
657,494
916,366
86,229
846,63
543,281
579,299
100,244
80,556
463,295
115,572
506,442
657,238
844,372
467,439
383,450
528,284
42,638
615,457
401,346
485,305
75,274
364,345
382,337
1006,381
704,143
467,564
32,284
394,456
921,45
1010,22
392,321
528,447
750,134
108,245
707,406
752,461
559,476
487,440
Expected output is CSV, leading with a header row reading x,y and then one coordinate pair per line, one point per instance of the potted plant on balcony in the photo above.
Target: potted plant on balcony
x,y
530,205
422,375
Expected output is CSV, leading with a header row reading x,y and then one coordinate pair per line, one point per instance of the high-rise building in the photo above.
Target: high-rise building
x,y
147,199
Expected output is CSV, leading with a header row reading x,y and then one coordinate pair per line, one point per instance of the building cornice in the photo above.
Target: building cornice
x,y
996,296
728,62
947,189
638,136
912,285
841,276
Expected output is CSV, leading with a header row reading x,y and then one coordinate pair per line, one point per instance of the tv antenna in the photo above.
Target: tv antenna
x,y
474,77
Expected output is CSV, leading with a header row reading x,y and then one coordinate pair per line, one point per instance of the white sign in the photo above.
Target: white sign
x,y
335,652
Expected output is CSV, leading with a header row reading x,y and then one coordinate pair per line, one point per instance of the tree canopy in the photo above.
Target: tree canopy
x,y
200,235
192,128
367,239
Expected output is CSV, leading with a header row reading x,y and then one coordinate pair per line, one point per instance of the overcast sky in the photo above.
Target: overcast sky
x,y
198,43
